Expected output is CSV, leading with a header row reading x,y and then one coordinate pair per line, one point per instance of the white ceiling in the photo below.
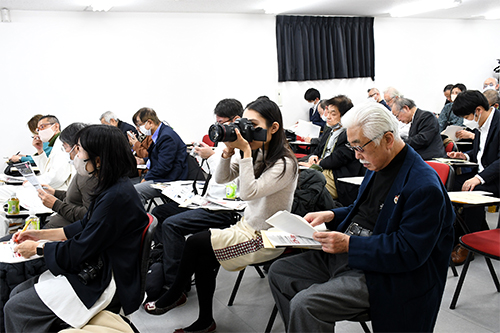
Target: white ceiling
x,y
469,9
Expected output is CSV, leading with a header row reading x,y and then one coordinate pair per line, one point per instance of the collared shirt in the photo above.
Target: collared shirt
x,y
482,140
330,145
154,137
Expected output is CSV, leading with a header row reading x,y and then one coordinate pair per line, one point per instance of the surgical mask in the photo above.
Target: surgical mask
x,y
46,134
472,124
144,130
452,97
489,87
80,167
323,118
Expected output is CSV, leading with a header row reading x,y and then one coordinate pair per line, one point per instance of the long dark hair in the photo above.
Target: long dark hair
x,y
278,146
111,147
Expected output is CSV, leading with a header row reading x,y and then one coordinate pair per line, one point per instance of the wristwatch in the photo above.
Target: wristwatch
x,y
39,249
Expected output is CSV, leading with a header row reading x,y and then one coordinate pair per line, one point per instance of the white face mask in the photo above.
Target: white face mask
x,y
80,167
489,87
144,130
323,118
452,97
46,134
472,124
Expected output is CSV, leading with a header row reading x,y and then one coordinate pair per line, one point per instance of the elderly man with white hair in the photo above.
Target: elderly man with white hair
x,y
490,83
109,118
387,253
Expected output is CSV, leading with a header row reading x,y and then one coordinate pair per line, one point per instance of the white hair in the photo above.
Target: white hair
x,y
374,119
108,115
392,92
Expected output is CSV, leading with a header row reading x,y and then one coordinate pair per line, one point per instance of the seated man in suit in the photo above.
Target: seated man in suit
x,y
374,94
390,252
423,135
336,160
473,106
167,156
109,118
313,96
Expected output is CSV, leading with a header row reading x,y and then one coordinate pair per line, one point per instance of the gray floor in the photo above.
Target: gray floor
x,y
478,308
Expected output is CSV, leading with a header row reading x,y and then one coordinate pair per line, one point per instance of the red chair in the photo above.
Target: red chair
x,y
486,243
450,146
445,172
207,140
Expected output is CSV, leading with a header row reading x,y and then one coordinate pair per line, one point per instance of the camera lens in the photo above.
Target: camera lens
x,y
216,133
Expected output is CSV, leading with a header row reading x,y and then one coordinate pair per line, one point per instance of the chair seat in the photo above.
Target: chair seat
x,y
484,242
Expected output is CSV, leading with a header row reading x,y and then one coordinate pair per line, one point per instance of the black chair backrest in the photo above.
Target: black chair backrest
x,y
147,238
194,170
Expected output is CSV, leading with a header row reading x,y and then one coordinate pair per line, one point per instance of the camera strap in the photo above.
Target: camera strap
x,y
205,187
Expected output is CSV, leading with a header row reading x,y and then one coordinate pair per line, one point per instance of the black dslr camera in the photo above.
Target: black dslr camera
x,y
225,133
90,271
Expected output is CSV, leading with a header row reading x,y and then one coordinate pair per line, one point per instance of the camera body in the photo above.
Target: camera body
x,y
226,133
90,271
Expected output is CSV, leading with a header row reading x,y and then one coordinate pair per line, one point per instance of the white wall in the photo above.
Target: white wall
x,y
78,65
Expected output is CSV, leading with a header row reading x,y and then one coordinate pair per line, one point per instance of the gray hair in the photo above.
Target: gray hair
x,y
492,96
108,115
401,102
393,92
374,119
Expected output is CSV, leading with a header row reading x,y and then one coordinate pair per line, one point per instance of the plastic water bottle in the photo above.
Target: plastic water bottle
x,y
32,221
13,205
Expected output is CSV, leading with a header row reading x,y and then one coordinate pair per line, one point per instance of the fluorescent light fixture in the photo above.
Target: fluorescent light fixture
x,y
281,6
493,14
101,5
423,6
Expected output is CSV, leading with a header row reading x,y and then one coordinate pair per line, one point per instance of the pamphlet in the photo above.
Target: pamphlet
x,y
291,230
27,172
8,255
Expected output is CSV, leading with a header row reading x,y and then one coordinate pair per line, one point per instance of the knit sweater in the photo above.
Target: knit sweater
x,y
265,195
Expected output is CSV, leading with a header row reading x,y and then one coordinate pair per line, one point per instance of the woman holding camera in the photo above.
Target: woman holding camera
x,y
267,172
91,260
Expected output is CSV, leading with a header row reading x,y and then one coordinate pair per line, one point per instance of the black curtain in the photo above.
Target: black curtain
x,y
321,48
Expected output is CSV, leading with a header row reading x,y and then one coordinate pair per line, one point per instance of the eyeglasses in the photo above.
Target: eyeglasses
x,y
41,127
360,149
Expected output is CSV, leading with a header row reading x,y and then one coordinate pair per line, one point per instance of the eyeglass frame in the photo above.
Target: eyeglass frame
x,y
38,129
360,149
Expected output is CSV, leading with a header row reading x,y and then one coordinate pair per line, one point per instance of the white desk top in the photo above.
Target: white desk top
x,y
472,197
352,180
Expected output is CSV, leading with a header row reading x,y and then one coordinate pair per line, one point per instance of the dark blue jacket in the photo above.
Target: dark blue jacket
x,y
491,155
406,259
168,157
315,118
111,229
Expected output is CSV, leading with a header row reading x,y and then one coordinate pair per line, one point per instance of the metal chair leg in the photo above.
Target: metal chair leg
x,y
271,320
461,280
493,273
235,288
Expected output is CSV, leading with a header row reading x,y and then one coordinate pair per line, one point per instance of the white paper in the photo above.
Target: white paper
x,y
294,224
305,129
274,238
7,254
451,131
27,172
29,199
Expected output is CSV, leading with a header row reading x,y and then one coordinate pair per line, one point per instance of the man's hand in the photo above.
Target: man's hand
x,y
15,158
307,139
312,160
317,218
139,160
458,155
131,138
26,249
470,184
463,134
48,200
333,241
204,150
38,144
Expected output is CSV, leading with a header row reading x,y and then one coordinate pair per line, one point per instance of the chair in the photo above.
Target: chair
x,y
362,318
447,175
486,243
445,172
146,240
206,139
450,146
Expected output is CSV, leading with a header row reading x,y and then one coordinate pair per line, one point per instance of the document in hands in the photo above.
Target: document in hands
x,y
451,131
290,230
